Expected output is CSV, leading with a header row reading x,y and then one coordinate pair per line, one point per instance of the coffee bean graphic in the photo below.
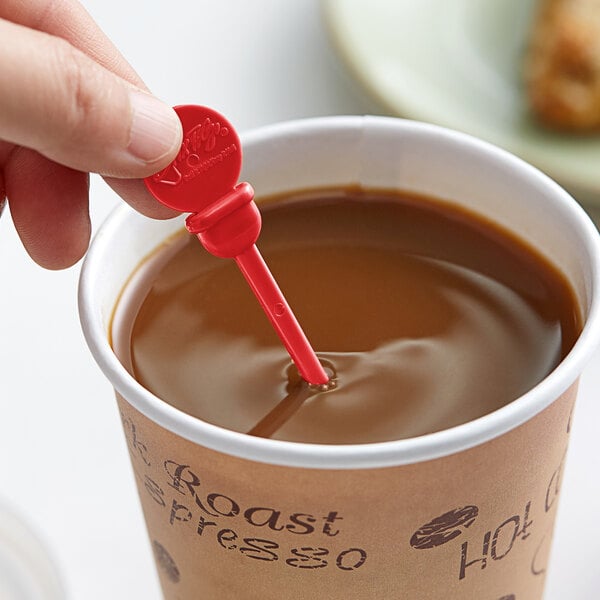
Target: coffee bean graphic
x,y
444,528
165,562
509,597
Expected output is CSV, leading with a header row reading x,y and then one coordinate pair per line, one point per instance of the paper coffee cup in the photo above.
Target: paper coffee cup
x,y
466,513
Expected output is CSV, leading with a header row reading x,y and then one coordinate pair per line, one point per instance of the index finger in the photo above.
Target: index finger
x,y
69,20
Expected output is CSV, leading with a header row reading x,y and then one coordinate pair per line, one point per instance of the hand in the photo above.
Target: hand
x,y
69,105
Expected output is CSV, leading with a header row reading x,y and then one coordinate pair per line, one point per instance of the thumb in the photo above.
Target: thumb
x,y
59,102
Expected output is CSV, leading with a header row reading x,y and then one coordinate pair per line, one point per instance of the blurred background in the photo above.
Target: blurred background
x,y
63,461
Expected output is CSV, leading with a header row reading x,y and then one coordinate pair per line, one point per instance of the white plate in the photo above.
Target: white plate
x,y
457,63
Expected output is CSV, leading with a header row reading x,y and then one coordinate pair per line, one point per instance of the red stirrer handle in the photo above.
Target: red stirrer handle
x,y
273,302
202,180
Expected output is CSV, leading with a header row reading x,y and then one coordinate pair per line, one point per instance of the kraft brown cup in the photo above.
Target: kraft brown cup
x,y
462,514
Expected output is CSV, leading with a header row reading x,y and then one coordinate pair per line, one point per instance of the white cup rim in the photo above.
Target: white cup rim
x,y
349,456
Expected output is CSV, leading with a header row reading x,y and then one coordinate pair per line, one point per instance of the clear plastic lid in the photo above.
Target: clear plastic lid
x,y
27,571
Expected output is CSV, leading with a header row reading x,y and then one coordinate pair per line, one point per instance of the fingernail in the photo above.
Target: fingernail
x,y
155,128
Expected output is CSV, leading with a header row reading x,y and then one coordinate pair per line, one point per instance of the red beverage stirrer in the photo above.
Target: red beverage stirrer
x,y
202,180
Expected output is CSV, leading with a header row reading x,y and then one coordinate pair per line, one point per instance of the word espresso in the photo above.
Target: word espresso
x,y
208,511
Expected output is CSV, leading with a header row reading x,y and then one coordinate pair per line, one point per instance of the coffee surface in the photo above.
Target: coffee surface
x,y
430,317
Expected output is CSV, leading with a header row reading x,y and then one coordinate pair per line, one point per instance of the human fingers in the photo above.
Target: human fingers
x,y
136,194
69,20
58,101
49,207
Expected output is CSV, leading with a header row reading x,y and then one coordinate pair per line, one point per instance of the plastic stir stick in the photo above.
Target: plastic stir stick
x,y
202,180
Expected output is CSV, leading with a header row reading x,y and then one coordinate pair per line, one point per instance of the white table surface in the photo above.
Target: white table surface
x,y
63,459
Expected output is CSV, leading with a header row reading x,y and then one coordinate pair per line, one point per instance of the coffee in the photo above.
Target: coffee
x,y
430,316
